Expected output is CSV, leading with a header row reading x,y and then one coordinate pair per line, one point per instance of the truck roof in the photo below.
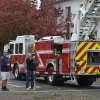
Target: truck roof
x,y
57,39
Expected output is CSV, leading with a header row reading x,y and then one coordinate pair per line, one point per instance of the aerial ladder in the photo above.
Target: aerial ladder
x,y
87,21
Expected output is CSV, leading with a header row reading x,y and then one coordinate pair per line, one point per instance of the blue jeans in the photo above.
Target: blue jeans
x,y
29,77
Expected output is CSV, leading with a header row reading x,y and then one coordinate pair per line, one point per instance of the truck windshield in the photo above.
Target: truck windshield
x,y
93,58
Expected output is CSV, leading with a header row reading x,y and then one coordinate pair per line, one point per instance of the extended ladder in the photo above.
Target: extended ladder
x,y
87,19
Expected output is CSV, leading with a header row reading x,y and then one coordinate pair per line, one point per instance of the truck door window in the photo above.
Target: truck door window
x,y
93,58
20,48
16,48
11,50
57,49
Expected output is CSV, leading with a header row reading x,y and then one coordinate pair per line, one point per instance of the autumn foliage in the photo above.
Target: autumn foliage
x,y
20,17
16,18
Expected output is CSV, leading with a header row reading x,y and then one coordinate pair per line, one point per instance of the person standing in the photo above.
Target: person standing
x,y
5,70
31,67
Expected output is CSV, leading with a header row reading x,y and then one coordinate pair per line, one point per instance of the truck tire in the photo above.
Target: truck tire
x,y
17,75
85,81
54,79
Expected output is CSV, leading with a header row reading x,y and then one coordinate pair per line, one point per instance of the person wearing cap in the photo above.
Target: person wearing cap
x,y
5,66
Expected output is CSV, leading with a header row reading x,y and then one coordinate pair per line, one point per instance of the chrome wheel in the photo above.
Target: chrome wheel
x,y
50,78
16,72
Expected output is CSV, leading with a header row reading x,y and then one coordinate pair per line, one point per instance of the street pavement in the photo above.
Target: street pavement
x,y
41,86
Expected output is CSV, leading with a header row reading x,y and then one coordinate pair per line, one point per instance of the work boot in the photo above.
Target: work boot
x,y
4,88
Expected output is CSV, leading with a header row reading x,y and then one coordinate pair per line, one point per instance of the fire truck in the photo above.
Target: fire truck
x,y
58,59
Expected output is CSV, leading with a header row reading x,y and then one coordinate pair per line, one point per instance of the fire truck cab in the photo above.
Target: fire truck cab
x,y
18,50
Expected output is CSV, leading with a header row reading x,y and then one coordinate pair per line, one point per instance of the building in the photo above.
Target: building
x,y
70,9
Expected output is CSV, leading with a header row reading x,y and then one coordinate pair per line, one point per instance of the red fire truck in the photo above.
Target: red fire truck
x,y
58,59
61,60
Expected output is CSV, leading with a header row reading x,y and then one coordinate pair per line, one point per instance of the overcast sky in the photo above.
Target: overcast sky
x,y
38,2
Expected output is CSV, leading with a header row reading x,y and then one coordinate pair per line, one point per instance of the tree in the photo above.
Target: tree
x,y
48,19
17,17
20,17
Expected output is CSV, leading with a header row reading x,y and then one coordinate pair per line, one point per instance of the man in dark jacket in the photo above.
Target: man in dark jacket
x,y
5,70
31,67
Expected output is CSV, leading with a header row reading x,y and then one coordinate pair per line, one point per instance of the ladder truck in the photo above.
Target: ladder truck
x,y
79,58
86,34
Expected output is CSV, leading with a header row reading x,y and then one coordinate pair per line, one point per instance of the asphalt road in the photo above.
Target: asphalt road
x,y
42,86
